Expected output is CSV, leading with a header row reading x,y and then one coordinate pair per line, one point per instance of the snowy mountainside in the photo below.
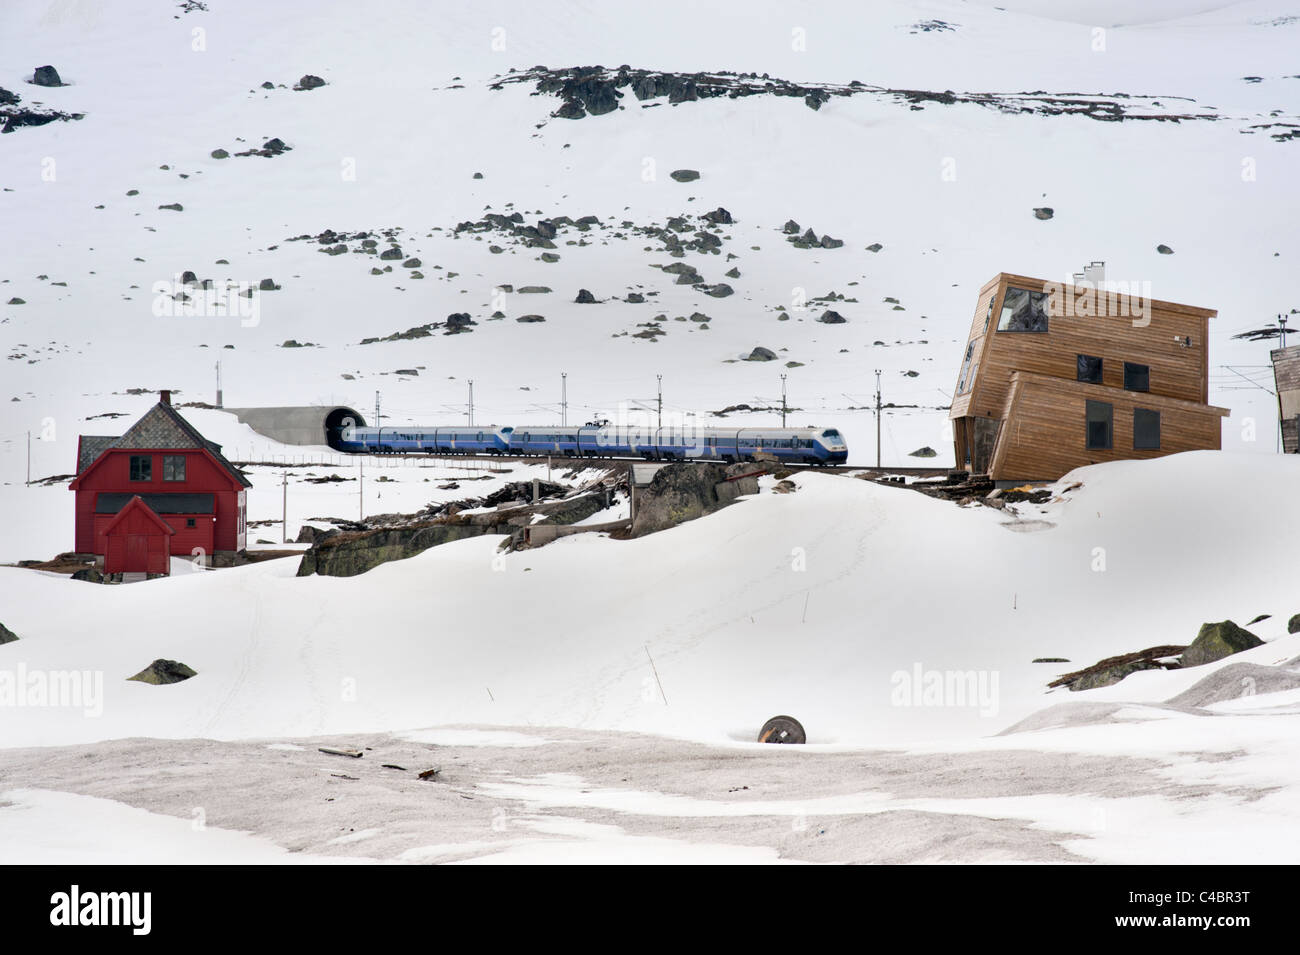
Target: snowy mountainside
x,y
410,113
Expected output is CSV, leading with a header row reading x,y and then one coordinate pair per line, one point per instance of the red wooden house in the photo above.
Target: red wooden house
x,y
159,489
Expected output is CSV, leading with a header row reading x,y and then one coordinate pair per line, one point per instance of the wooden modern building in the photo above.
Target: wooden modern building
x,y
1056,376
1286,372
159,490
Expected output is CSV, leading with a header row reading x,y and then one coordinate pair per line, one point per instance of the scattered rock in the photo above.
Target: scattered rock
x,y
1164,250
761,354
684,175
1044,212
267,285
719,216
17,301
1293,625
533,290
530,318
925,452
46,76
391,255
7,635
830,317
220,154
1216,641
721,290
174,206
477,175
310,82
412,264
585,297
635,298
874,247
161,672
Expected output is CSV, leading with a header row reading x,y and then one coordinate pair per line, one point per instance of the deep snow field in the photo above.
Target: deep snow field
x,y
595,699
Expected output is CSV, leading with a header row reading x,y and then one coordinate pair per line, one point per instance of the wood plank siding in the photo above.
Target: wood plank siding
x,y
1019,409
1286,371
1044,434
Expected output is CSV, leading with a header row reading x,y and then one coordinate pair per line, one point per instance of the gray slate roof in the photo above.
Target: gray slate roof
x,y
161,427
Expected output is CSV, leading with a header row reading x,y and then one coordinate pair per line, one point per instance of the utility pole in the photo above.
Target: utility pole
x,y
661,401
284,507
877,417
1281,324
469,414
783,407
376,409
564,399
220,402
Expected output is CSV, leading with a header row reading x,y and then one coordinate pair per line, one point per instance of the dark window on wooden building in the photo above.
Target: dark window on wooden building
x,y
1146,429
1023,311
1089,369
189,522
966,379
1137,377
141,467
1101,415
173,467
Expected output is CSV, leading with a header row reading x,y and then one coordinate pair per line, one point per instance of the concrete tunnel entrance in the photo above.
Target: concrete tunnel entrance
x,y
304,425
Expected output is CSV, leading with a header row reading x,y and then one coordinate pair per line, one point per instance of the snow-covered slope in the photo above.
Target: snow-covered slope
x,y
835,603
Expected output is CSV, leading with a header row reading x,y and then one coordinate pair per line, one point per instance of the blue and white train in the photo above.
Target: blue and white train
x,y
603,440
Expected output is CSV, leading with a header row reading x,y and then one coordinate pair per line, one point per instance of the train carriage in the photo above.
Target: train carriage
x,y
599,439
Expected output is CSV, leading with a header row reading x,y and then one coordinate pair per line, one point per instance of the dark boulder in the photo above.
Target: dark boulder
x,y
761,354
570,109
310,82
585,297
46,76
162,672
1044,212
7,635
719,216
89,574
684,175
1216,641
831,317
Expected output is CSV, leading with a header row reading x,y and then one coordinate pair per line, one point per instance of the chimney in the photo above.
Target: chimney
x,y
165,397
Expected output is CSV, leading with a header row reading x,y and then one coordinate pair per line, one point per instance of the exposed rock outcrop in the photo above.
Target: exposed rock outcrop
x,y
684,492
1216,641
162,672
